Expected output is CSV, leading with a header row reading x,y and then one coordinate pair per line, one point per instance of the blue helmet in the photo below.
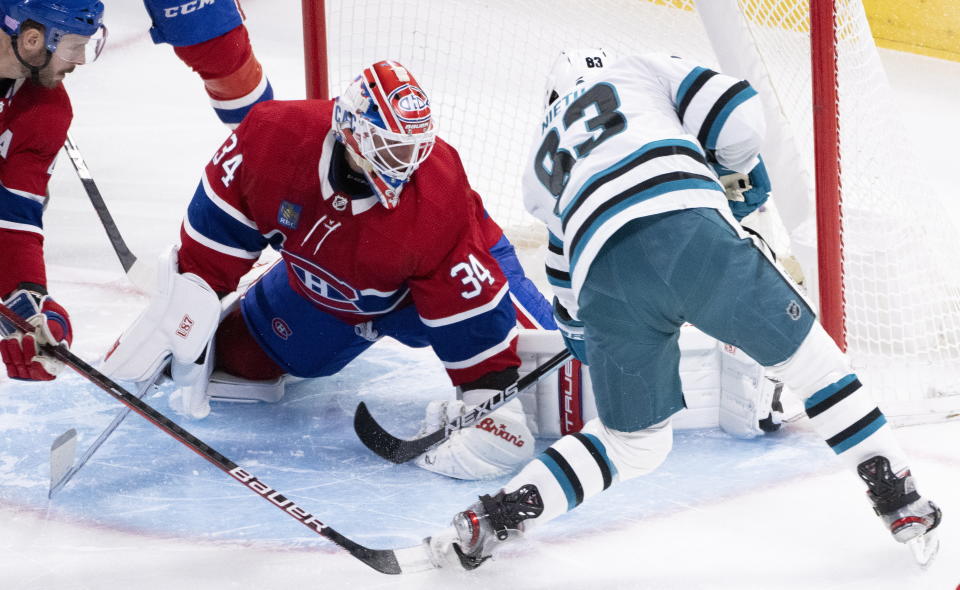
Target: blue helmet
x,y
58,17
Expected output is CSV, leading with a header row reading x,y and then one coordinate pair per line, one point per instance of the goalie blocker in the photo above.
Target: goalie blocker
x,y
722,387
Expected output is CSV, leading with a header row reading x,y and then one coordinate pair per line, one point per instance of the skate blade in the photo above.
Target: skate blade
x,y
924,548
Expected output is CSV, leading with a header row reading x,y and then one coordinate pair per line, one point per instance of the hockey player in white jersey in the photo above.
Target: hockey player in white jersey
x,y
739,398
624,175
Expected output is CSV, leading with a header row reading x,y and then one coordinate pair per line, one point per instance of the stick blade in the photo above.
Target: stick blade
x,y
384,444
386,561
63,451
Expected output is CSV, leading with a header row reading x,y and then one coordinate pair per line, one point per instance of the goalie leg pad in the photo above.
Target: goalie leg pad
x,y
224,387
498,444
179,320
746,395
191,398
562,402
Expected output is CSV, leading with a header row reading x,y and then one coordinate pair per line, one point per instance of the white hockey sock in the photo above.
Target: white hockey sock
x,y
852,424
584,464
840,410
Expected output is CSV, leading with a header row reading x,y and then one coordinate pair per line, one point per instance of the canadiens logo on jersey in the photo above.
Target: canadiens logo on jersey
x,y
281,328
321,286
289,214
325,289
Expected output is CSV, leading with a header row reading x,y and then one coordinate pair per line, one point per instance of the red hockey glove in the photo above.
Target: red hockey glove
x,y
21,352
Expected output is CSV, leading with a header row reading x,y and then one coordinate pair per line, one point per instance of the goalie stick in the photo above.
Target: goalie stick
x,y
63,449
388,561
399,450
126,257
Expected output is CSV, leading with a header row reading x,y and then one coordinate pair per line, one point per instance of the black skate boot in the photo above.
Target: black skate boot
x,y
489,522
908,517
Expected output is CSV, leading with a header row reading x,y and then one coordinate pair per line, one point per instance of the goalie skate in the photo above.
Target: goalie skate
x,y
908,517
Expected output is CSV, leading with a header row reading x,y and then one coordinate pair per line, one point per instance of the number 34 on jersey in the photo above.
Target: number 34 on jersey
x,y
472,273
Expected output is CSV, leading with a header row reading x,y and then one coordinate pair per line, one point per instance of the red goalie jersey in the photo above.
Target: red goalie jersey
x,y
272,183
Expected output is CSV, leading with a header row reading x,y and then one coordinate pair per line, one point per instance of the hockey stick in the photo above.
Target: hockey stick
x,y
62,451
388,561
127,258
399,450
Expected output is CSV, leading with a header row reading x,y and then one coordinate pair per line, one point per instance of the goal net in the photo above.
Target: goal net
x,y
484,65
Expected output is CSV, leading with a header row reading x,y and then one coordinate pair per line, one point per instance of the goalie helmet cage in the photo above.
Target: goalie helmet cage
x,y
885,284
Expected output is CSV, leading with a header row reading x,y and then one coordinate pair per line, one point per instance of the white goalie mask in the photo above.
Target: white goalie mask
x,y
384,120
572,67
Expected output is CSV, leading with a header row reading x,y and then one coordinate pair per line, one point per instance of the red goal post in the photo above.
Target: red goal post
x,y
885,286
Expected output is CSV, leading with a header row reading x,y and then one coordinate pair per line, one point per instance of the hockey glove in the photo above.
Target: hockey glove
x,y
572,331
500,443
745,192
21,352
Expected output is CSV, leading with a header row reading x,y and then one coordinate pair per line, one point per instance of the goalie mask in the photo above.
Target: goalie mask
x,y
571,67
384,120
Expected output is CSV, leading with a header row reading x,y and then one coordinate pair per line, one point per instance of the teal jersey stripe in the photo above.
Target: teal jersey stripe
x,y
724,114
630,200
687,82
634,159
554,240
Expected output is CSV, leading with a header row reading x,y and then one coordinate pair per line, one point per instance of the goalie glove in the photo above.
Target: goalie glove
x,y
179,321
498,444
21,352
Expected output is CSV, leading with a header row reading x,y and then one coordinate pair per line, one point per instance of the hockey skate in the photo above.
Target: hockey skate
x,y
909,518
476,531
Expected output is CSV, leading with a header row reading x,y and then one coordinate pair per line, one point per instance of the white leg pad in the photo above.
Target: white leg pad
x,y
746,394
561,402
224,387
191,398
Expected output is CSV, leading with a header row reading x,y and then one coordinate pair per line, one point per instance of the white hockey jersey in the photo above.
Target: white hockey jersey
x,y
631,142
